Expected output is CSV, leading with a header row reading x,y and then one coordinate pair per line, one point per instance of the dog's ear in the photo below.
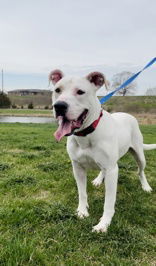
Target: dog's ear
x,y
55,76
98,79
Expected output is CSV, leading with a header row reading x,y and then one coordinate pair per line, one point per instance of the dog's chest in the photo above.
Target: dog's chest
x,y
83,153
85,158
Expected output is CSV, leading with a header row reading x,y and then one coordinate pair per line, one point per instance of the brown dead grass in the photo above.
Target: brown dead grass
x,y
14,150
145,118
42,195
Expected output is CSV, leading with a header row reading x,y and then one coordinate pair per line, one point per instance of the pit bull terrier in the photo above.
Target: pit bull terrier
x,y
96,138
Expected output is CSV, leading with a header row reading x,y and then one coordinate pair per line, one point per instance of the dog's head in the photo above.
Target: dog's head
x,y
73,99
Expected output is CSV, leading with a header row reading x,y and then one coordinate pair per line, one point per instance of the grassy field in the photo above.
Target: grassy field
x,y
39,101
132,104
38,198
25,112
142,107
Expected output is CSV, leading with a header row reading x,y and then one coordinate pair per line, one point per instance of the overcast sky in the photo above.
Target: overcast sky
x,y
37,36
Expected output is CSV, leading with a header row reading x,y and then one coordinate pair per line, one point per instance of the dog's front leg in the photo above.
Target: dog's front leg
x,y
111,178
81,181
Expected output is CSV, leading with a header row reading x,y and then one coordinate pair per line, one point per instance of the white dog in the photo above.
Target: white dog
x,y
96,139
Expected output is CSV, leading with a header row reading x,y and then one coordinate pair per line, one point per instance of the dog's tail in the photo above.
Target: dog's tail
x,y
148,147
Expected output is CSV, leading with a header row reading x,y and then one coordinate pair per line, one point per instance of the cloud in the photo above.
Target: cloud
x,y
37,36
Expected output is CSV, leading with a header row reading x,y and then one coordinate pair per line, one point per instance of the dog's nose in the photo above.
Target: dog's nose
x,y
60,108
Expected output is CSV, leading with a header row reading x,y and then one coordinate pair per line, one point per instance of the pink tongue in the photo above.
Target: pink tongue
x,y
63,129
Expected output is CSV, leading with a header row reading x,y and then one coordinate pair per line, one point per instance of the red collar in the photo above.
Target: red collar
x,y
89,129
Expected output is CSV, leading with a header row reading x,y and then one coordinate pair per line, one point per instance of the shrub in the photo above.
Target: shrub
x,y
4,100
109,109
46,107
30,106
14,106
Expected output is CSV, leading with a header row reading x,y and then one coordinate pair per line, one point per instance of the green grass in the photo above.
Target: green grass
x,y
133,104
25,112
38,198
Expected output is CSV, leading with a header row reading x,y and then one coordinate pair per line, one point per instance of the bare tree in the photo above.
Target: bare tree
x,y
151,91
120,78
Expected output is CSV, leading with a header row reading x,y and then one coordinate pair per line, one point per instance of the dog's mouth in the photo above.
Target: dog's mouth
x,y
67,127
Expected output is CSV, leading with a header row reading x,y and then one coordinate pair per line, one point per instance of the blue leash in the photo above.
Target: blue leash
x,y
127,82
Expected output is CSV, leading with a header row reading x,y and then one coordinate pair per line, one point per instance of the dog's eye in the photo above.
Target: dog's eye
x,y
58,90
80,92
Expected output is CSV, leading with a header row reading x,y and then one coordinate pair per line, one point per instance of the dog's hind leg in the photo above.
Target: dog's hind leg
x,y
81,181
99,179
139,156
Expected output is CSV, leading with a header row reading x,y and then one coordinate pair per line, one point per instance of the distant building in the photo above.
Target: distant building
x,y
26,92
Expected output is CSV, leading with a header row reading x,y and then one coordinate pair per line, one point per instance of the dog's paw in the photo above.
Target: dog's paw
x,y
147,188
82,213
97,181
100,228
